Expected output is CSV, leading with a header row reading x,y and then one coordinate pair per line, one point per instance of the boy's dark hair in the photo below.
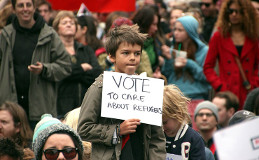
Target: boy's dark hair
x,y
124,33
231,99
14,3
9,148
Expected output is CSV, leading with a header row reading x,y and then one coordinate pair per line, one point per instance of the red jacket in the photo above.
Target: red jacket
x,y
223,50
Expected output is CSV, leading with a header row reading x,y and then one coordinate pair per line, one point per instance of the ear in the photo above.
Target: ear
x,y
112,58
231,112
84,29
17,128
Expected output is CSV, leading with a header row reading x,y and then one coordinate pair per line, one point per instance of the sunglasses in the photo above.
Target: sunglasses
x,y
231,11
206,4
52,154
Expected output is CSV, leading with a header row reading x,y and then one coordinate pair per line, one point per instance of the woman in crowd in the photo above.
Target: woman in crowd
x,y
148,20
85,67
86,32
54,140
185,68
235,47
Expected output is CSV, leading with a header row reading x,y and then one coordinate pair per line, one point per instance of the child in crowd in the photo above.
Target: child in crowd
x,y
182,142
113,138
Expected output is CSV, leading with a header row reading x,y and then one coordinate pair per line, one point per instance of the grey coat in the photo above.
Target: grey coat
x,y
99,130
43,89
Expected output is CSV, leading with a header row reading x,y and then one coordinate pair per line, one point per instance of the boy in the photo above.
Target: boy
x,y
113,138
182,142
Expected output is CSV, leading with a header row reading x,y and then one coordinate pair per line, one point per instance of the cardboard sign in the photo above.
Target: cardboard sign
x,y
131,96
240,141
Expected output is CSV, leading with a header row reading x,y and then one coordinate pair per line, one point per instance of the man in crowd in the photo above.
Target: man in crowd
x,y
206,119
227,104
32,60
210,13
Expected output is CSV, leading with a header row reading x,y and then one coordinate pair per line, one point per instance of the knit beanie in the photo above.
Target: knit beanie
x,y
207,105
48,126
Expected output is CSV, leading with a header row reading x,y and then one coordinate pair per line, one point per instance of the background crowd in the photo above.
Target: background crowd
x,y
206,51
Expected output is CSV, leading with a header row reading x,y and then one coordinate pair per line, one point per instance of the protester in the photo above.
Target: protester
x,y
52,137
234,47
155,45
240,116
9,150
32,60
182,142
85,67
44,9
210,15
107,135
71,119
227,104
255,3
86,32
252,101
185,68
14,125
107,65
206,119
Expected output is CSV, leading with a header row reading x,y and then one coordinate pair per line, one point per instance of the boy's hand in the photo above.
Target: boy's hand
x,y
129,126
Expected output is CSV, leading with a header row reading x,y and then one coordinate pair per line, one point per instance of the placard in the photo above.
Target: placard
x,y
240,141
132,96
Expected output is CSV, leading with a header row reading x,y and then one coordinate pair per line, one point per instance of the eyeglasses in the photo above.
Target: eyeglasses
x,y
206,4
231,11
52,154
205,114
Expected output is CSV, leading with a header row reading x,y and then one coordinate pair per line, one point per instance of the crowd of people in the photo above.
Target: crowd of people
x,y
51,77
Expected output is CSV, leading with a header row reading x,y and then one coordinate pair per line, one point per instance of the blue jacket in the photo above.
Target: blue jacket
x,y
199,88
187,144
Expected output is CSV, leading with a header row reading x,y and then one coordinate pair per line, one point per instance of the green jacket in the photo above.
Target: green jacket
x,y
99,130
43,88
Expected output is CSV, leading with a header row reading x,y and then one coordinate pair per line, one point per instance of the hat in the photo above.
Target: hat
x,y
207,105
48,126
121,21
241,116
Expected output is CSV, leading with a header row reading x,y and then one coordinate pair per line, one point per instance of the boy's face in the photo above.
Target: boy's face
x,y
127,58
170,126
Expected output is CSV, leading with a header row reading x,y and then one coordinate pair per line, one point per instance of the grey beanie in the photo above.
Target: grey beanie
x,y
48,126
207,105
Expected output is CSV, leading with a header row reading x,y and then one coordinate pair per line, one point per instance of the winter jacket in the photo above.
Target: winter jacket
x,y
43,88
72,89
224,51
187,144
99,130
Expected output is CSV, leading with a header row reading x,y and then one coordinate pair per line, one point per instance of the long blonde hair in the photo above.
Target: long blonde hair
x,y
71,119
175,104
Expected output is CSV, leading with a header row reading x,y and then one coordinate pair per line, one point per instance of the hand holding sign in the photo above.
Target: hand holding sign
x,y
129,126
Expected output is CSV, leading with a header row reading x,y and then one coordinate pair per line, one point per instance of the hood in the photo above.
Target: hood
x,y
191,25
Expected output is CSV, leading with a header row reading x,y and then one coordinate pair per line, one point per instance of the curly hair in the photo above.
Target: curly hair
x,y
175,104
11,149
249,24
